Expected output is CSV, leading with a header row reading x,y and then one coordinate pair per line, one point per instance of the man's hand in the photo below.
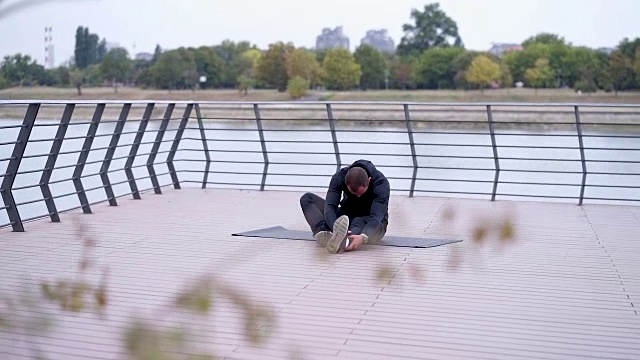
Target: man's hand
x,y
354,242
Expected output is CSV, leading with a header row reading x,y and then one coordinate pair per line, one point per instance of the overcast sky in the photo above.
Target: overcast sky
x,y
139,25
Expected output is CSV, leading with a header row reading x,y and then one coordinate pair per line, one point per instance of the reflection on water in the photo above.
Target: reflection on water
x,y
452,164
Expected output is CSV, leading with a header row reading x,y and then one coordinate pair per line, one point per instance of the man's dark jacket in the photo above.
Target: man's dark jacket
x,y
374,203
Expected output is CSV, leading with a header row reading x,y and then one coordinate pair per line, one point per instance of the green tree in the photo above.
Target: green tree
x,y
234,64
91,47
3,82
175,69
245,83
209,65
629,48
101,51
520,61
544,38
435,68
145,78
540,75
431,27
140,66
62,74
303,63
253,55
77,79
619,72
156,53
544,45
341,70
403,73
250,60
272,67
580,64
116,66
374,67
79,51
462,63
93,75
320,54
297,87
21,70
506,80
483,71
88,49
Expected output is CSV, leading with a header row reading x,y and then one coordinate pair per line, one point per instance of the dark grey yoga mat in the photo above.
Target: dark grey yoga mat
x,y
279,232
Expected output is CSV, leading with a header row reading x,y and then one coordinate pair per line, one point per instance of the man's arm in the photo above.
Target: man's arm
x,y
379,207
333,199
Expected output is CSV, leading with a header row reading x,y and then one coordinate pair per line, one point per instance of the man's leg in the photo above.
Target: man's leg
x,y
358,224
313,209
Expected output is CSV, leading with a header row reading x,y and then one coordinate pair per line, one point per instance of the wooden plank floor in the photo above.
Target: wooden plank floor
x,y
567,286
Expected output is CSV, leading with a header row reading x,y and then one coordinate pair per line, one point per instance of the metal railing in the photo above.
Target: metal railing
x,y
580,152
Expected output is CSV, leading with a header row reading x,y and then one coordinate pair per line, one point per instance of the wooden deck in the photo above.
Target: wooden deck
x,y
567,286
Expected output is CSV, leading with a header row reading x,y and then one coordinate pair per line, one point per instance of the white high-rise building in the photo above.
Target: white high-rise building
x,y
49,53
330,39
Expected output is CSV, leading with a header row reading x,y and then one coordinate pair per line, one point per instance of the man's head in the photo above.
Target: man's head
x,y
357,181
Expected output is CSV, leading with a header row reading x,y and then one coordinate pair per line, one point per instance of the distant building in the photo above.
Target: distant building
x,y
380,40
330,39
144,56
49,49
606,50
500,49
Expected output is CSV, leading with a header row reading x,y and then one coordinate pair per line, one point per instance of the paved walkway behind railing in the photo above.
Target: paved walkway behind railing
x,y
567,286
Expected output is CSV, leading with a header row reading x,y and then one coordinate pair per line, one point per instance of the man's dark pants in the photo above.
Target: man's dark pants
x,y
313,210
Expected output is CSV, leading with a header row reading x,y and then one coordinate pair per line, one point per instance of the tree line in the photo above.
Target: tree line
x,y
431,55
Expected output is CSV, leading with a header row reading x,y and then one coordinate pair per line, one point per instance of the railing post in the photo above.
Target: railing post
x,y
582,156
113,144
51,162
265,155
14,165
205,146
82,159
496,159
156,147
412,144
334,136
176,143
148,111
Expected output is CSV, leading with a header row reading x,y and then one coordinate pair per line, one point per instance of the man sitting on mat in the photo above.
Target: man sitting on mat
x,y
361,216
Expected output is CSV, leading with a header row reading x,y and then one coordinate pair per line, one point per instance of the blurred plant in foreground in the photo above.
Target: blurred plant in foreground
x,y
145,339
75,295
488,229
23,315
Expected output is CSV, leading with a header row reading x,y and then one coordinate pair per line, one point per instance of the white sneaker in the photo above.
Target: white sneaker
x,y
340,228
322,237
